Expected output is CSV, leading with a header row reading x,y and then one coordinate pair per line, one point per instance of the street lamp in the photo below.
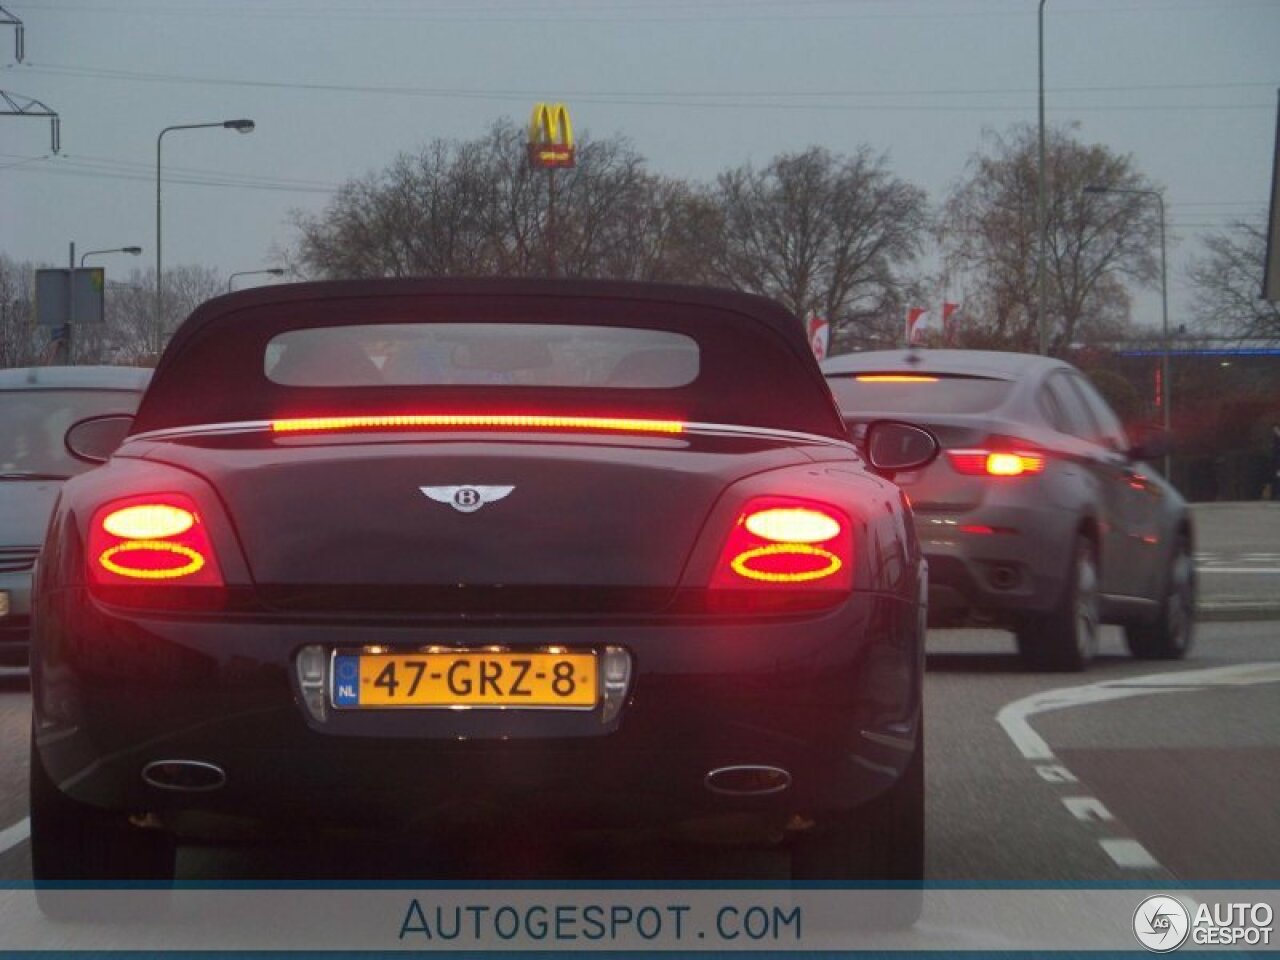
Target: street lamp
x,y
66,351
240,126
1164,299
132,251
273,271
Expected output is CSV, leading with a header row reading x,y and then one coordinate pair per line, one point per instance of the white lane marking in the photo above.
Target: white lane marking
x,y
1055,773
1128,853
1087,809
1238,569
1125,852
1229,555
10,837
1013,716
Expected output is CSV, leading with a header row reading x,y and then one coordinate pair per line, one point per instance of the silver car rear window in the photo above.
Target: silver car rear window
x,y
478,354
917,392
36,421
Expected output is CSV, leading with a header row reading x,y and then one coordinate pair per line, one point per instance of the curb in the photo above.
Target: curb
x,y
1236,612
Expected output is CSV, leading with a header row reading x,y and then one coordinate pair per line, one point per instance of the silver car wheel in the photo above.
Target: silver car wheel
x,y
1087,613
1180,598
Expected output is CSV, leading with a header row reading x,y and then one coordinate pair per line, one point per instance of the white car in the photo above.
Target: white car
x,y
37,406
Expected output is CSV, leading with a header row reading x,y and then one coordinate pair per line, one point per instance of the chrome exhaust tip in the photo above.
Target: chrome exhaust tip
x,y
190,776
747,780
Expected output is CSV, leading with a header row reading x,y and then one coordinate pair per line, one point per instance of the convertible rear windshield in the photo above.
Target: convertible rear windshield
x,y
427,348
476,354
917,392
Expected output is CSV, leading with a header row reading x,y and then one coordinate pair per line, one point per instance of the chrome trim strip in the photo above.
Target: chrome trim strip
x,y
708,429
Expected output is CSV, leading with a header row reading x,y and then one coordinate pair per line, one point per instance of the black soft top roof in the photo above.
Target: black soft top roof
x,y
757,366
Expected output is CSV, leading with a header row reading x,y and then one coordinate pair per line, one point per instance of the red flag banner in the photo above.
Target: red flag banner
x,y
917,320
819,337
947,310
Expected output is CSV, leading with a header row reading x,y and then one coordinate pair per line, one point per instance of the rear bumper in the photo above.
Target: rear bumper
x,y
833,699
1019,567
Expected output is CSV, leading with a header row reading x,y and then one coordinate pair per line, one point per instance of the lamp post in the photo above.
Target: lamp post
x,y
240,126
66,347
132,251
1042,230
273,271
1165,391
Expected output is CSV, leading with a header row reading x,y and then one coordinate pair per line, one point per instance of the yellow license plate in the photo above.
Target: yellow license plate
x,y
465,678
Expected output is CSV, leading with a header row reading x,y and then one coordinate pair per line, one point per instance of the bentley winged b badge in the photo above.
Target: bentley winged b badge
x,y
466,498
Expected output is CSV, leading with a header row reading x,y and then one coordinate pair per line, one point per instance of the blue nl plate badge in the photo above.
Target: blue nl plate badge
x,y
346,681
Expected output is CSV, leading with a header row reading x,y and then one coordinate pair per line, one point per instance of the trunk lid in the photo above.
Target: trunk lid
x,y
587,524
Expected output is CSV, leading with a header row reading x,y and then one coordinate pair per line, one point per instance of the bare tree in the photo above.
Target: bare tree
x,y
822,233
1228,285
22,343
989,240
459,208
128,334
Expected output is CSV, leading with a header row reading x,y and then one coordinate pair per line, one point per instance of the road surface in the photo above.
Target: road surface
x,y
1152,771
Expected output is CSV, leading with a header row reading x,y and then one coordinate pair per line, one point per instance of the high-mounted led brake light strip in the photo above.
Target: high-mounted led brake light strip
x,y
479,421
895,378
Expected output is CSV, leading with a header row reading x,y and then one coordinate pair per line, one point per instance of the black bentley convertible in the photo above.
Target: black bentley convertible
x,y
403,555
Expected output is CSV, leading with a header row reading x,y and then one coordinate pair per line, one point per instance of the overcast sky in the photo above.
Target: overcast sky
x,y
1188,87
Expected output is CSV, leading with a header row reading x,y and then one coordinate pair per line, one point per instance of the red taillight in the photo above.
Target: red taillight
x,y
151,540
996,463
786,544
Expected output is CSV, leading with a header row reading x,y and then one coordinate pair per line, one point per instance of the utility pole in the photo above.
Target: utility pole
x,y
16,105
7,19
551,221
551,148
1042,227
65,354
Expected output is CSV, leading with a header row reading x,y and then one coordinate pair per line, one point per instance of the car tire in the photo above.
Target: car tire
x,y
73,843
1170,635
880,842
1066,639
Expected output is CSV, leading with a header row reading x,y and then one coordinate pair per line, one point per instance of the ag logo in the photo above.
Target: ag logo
x,y
467,498
1161,924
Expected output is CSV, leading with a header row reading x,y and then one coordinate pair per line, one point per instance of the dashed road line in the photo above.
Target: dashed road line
x,y
1126,852
1087,809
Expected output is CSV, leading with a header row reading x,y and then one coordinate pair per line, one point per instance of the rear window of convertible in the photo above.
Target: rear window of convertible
x,y
491,347
479,354
917,392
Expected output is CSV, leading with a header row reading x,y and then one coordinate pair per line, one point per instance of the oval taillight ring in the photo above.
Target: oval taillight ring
x,y
195,561
741,563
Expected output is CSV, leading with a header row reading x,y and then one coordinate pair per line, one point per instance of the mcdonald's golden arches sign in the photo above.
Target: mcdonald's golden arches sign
x,y
550,136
